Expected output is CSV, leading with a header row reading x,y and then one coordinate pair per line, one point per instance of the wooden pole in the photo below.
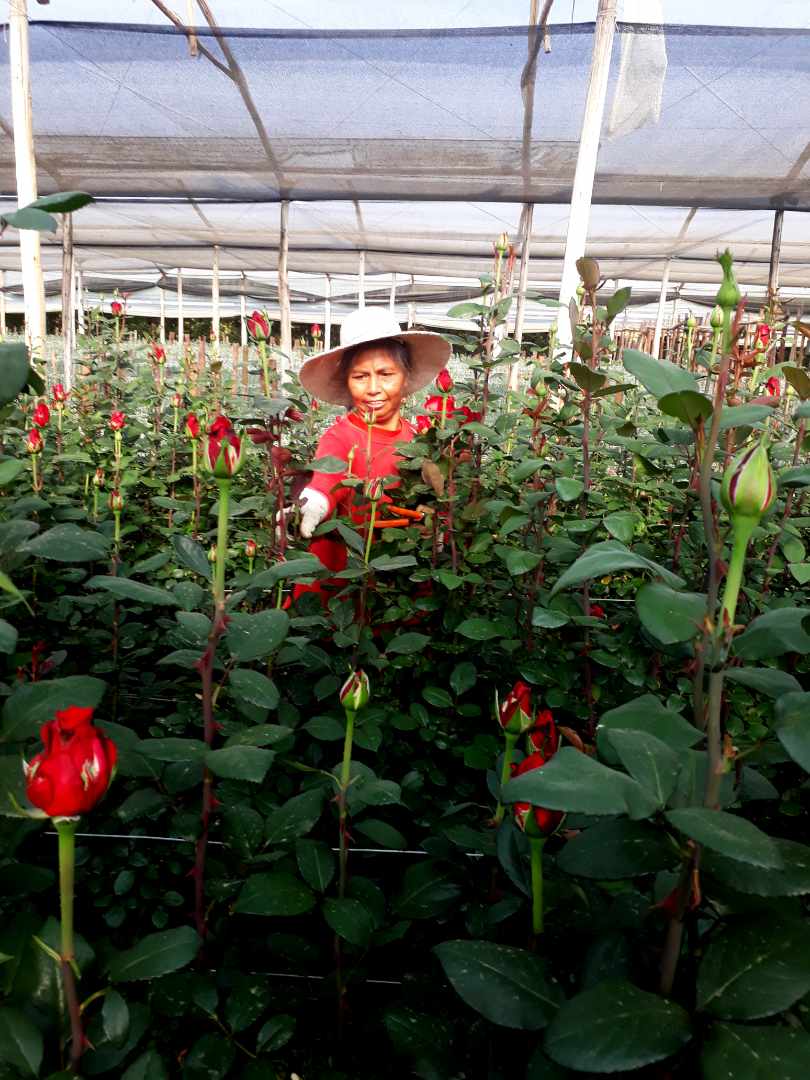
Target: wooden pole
x,y
162,316
26,170
180,322
80,326
215,296
525,255
776,251
284,292
68,332
662,296
243,336
2,304
327,314
411,306
361,279
392,297
582,190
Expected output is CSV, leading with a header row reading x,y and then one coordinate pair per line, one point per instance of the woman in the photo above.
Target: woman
x,y
374,369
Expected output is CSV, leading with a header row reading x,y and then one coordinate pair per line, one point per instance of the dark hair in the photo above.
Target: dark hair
x,y
397,350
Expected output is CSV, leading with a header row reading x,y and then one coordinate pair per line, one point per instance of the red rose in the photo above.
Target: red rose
x,y
223,450
76,767
515,714
192,426
444,381
158,353
423,424
115,501
315,330
534,820
772,386
258,326
117,420
543,736
280,456
314,404
597,612
116,308
41,415
469,415
763,335
250,549
34,443
293,414
436,403
59,393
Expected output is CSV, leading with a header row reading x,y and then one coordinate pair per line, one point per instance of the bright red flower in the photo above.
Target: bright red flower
x,y
41,415
543,736
115,501
423,423
315,330
314,404
60,395
597,612
535,820
294,414
223,450
192,426
469,415
75,768
117,308
515,714
34,443
250,548
773,387
280,457
158,353
117,420
444,381
258,326
177,401
763,335
436,403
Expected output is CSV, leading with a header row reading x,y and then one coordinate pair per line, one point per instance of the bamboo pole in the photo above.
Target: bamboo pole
x,y
215,322
2,304
162,316
284,292
26,171
327,314
68,330
582,190
180,321
523,278
361,279
776,251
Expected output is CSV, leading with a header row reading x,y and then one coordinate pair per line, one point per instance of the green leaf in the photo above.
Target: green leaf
x,y
648,760
463,677
32,704
381,833
526,468
253,637
744,1052
728,834
467,310
260,735
618,302
275,893
668,615
755,967
429,889
549,620
479,629
350,920
127,589
615,1027
392,562
21,1042
10,469
316,863
240,763
191,555
568,488
507,986
793,727
521,562
62,202
622,525
647,713
792,878
798,379
617,849
328,464
573,781
14,369
688,406
68,543
254,688
115,1017
305,566
659,377
148,1066
296,817
29,217
276,1033
769,681
408,643
586,378
174,749
606,558
157,954
8,637
774,633
743,416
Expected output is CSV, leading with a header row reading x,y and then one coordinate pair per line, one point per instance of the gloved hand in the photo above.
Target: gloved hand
x,y
314,508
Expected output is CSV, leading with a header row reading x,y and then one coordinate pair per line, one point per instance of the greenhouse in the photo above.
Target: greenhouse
x,y
403,549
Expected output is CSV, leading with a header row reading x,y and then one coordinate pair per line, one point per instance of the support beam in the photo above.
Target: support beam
x,y
412,305
80,323
26,170
68,330
582,190
284,292
327,314
181,329
662,298
215,295
2,304
361,279
776,250
243,335
523,278
162,316
392,296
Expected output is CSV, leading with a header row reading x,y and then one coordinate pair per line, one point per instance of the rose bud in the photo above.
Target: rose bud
x,y
117,308
76,767
716,318
543,735
192,426
315,330
41,415
34,443
773,386
355,692
588,270
314,404
423,423
515,715
98,478
444,381
212,553
293,414
438,403
534,820
177,401
728,295
224,453
158,353
597,611
763,335
60,395
258,326
250,549
280,457
374,488
117,420
748,488
469,415
115,501
502,243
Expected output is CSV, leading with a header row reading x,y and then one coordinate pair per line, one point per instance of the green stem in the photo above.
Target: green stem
x,y
262,347
742,528
222,543
66,828
443,420
536,845
34,474
117,537
345,778
511,742
370,537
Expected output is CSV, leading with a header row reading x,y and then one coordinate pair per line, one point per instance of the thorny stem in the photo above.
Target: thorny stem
x,y
222,544
66,828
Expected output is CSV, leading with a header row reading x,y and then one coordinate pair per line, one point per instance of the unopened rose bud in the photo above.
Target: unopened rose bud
x,y
728,295
749,489
355,692
115,501
588,270
515,714
374,488
250,549
502,243
116,308
98,478
716,318
34,443
212,553
177,401
444,381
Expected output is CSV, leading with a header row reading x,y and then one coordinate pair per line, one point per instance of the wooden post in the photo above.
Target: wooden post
x,y
180,321
243,335
361,279
392,296
776,250
411,306
662,297
162,316
215,296
68,333
2,304
582,190
26,170
327,314
80,325
525,255
284,293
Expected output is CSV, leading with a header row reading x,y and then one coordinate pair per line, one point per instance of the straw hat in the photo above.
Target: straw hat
x,y
429,353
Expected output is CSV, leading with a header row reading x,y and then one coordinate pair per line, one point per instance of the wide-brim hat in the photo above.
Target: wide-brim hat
x,y
321,377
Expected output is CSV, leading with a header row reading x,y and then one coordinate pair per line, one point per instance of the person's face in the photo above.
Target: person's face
x,y
377,385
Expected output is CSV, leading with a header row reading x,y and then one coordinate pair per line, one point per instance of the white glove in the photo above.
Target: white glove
x,y
314,508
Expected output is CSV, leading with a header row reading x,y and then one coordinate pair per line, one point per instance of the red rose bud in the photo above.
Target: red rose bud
x,y
258,326
444,381
293,414
534,820
115,501
469,415
250,549
314,404
748,488
502,243
543,737
355,692
117,420
41,415
192,426
34,443
158,353
280,457
116,308
315,330
597,612
763,335
773,386
438,403
60,395
223,450
423,424
515,714
177,401
76,767
98,478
